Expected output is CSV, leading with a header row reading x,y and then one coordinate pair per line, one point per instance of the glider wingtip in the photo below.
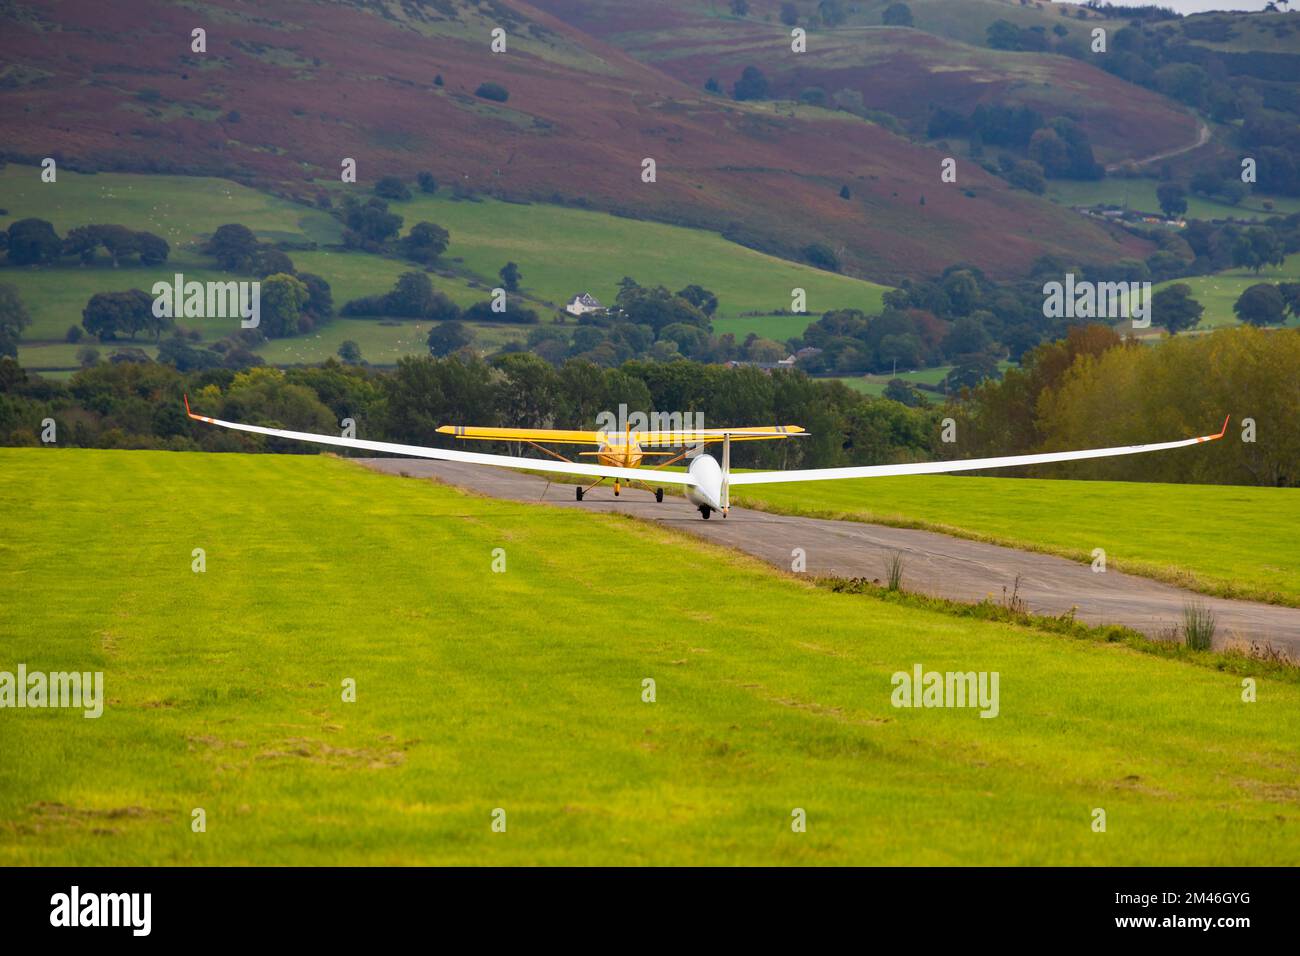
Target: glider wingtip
x,y
1224,430
190,414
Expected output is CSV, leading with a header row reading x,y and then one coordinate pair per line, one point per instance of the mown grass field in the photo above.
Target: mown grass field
x,y
1225,540
522,691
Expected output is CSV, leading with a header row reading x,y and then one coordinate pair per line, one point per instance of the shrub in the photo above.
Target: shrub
x,y
492,91
390,187
822,256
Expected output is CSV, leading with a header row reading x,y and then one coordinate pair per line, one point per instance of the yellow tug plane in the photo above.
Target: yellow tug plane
x,y
629,448
706,483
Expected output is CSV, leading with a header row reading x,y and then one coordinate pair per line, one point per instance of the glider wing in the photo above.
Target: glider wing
x,y
970,464
446,454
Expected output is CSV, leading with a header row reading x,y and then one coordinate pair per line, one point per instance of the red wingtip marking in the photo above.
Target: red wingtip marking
x,y
1225,428
197,418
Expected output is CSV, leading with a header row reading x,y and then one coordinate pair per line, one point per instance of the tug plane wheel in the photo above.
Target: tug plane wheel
x,y
579,491
659,495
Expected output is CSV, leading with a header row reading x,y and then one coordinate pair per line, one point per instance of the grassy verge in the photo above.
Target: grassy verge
x,y
1241,660
1228,541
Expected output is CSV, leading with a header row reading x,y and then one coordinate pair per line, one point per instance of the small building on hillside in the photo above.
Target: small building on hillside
x,y
583,303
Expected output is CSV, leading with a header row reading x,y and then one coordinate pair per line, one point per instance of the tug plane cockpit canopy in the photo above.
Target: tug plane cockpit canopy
x,y
707,483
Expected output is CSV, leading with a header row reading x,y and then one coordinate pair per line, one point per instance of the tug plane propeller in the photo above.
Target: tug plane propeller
x,y
707,483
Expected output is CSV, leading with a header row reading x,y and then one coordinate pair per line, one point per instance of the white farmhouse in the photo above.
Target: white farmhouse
x,y
585,302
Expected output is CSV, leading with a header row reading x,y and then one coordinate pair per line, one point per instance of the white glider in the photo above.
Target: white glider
x,y
707,483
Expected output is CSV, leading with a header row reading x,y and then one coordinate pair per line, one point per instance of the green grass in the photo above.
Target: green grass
x,y
522,690
55,296
181,209
1220,292
184,210
1140,194
63,355
1228,541
560,251
1254,32
352,275
563,251
778,328
875,384
381,341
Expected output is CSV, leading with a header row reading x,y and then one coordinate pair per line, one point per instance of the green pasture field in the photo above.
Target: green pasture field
x,y
181,209
875,384
1219,292
562,252
1225,540
1140,194
778,328
184,210
523,691
382,341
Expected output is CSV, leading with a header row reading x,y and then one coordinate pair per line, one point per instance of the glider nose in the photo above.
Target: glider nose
x,y
707,487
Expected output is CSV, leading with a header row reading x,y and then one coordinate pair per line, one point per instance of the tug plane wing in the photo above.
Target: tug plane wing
x,y
707,484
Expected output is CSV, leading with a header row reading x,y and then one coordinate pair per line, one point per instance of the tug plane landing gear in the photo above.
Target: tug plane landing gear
x,y
580,492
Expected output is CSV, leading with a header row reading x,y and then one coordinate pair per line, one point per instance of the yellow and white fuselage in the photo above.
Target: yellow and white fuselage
x,y
707,487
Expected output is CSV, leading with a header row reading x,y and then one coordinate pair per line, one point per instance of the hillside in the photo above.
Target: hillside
x,y
478,690
907,73
560,251
282,95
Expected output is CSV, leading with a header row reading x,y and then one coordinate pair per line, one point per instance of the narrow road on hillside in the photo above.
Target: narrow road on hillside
x,y
1202,137
934,564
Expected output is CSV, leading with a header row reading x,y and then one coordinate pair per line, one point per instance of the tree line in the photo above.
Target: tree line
x,y
138,404
1089,389
1094,389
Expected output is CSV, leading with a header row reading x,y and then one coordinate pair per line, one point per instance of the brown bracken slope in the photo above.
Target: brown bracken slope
x,y
288,88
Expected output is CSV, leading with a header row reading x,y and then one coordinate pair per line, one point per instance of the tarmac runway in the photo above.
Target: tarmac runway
x,y
934,564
